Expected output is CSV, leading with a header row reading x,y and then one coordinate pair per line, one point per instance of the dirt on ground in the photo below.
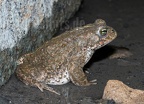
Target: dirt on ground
x,y
127,18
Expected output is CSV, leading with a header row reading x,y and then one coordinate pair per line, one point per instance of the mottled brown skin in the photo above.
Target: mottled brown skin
x,y
61,59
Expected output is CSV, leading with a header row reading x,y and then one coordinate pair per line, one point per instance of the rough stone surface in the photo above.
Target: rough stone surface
x,y
25,25
122,94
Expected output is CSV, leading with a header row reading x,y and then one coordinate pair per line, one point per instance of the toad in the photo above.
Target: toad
x,y
61,59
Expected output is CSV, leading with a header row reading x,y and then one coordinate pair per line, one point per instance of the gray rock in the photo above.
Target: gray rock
x,y
25,25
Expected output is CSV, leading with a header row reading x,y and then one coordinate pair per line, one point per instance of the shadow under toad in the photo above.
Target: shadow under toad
x,y
101,54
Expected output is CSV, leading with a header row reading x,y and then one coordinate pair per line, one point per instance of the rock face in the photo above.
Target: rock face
x,y
25,25
122,94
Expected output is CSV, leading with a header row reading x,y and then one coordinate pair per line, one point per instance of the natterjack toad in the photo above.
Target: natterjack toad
x,y
62,58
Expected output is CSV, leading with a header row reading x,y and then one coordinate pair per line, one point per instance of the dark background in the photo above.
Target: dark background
x,y
127,18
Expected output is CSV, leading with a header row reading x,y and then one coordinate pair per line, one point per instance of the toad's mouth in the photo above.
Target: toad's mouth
x,y
99,45
104,41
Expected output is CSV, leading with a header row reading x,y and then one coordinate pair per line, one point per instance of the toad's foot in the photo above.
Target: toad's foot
x,y
42,86
82,81
93,82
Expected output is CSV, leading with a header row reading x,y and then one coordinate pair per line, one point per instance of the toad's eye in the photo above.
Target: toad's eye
x,y
103,31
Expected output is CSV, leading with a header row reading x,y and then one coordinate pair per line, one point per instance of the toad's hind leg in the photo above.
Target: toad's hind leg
x,y
42,86
26,77
78,77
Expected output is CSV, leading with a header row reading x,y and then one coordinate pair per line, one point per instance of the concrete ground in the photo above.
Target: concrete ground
x,y
127,18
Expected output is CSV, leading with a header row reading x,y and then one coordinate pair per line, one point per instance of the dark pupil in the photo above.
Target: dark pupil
x,y
103,32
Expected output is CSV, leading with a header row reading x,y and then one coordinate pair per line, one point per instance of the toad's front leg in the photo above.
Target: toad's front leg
x,y
78,77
